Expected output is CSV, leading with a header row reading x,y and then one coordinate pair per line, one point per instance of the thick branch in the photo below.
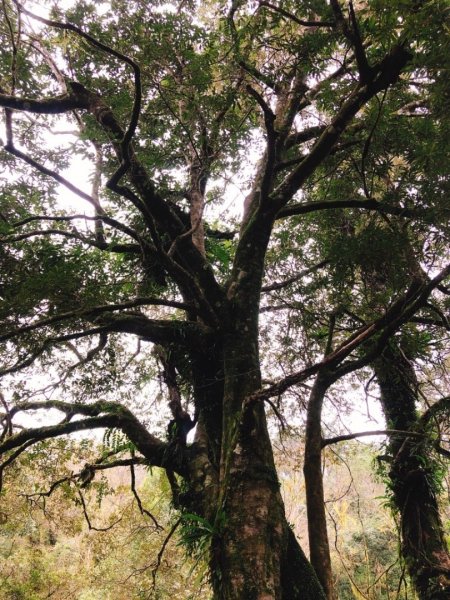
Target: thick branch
x,y
47,106
306,135
400,312
38,434
383,75
98,415
416,296
159,332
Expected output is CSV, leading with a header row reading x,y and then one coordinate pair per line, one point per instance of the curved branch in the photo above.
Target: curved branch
x,y
401,310
440,406
161,552
352,436
9,147
12,457
98,415
51,489
126,462
37,434
142,510
68,218
125,248
184,333
8,428
88,521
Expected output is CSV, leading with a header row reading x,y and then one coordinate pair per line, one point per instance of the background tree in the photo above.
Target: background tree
x,y
169,107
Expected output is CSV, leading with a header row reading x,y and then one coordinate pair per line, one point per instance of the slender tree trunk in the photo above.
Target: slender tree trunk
x,y
315,501
412,471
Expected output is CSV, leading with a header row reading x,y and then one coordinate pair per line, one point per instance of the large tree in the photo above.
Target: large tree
x,y
169,107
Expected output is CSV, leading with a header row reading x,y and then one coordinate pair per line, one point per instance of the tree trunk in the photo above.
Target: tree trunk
x,y
315,502
257,556
254,554
412,475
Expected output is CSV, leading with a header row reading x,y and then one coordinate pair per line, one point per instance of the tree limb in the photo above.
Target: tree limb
x,y
128,135
440,406
287,282
121,248
142,510
353,36
46,106
308,207
26,362
68,218
389,432
292,17
401,310
98,415
88,521
384,74
92,313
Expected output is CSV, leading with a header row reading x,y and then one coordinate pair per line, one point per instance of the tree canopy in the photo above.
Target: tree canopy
x,y
175,175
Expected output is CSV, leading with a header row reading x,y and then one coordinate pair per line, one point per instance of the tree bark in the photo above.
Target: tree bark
x,y
257,557
412,473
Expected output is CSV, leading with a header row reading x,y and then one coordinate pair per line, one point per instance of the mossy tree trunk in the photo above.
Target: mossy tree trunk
x,y
413,478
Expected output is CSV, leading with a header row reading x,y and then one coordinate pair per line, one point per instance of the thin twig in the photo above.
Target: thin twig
x,y
142,510
88,521
161,552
